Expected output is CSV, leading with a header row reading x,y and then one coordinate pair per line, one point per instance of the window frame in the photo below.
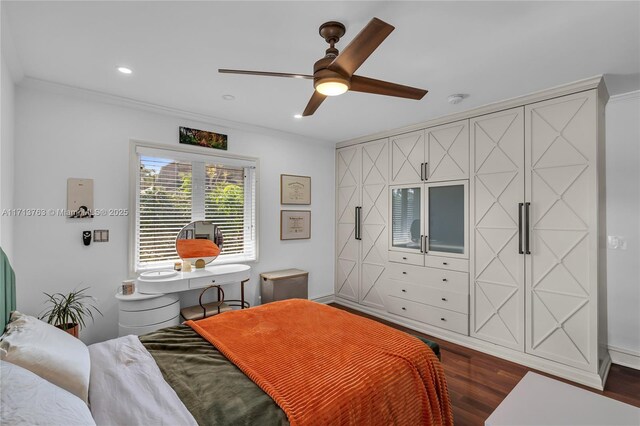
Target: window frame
x,y
134,183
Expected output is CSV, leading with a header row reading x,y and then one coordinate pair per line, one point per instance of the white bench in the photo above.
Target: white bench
x,y
538,400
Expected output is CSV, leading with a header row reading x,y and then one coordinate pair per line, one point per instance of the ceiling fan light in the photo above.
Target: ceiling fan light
x,y
331,86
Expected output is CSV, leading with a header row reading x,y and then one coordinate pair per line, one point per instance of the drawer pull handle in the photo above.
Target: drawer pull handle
x,y
404,309
404,273
445,263
213,281
444,299
442,319
444,279
404,291
404,258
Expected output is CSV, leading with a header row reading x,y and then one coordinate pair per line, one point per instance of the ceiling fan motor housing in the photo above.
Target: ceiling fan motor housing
x,y
331,31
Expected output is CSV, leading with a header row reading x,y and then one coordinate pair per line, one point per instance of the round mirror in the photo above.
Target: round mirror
x,y
199,240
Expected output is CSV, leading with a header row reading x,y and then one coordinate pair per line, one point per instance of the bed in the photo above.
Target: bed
x,y
291,362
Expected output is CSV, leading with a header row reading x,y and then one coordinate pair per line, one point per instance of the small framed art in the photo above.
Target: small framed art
x,y
203,138
295,189
295,224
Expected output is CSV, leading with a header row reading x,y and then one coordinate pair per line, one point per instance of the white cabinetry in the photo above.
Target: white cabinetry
x,y
496,230
361,240
497,261
436,154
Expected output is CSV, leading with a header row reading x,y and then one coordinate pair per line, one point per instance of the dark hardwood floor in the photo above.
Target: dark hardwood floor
x,y
479,382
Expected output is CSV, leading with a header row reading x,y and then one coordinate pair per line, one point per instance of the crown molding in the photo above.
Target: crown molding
x,y
629,96
596,82
106,98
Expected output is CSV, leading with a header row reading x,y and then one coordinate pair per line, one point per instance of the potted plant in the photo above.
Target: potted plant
x,y
68,311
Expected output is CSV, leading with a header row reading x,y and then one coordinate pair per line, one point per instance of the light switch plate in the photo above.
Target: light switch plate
x,y
616,243
101,236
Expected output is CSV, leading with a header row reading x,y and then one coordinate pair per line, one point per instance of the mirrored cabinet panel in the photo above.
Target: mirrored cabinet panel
x,y
406,212
446,212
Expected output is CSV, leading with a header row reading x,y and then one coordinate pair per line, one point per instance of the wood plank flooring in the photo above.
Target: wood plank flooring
x,y
479,382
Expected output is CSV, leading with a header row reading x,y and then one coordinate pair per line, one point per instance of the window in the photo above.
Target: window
x,y
175,187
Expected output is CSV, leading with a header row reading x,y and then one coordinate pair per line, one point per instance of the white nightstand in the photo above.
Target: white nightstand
x,y
144,313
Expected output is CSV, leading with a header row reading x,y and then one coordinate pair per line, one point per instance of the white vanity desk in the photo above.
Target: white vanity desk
x,y
156,302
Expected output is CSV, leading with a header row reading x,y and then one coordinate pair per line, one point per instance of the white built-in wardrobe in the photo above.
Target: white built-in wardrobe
x,y
485,228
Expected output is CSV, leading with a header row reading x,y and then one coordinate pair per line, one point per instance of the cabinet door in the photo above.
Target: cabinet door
x,y
406,158
447,152
560,160
375,196
348,188
407,227
446,219
497,266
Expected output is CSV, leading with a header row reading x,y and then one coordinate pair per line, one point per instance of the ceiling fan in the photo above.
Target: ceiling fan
x,y
333,75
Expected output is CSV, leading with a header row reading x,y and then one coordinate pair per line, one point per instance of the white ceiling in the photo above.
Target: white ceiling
x,y
489,50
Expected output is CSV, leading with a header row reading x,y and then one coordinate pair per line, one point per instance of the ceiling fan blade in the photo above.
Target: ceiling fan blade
x,y
265,73
314,103
361,47
379,87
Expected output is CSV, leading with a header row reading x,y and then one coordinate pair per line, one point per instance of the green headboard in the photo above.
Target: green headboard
x,y
7,290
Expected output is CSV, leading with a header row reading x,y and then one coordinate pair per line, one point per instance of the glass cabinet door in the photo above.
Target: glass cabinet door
x,y
406,225
446,208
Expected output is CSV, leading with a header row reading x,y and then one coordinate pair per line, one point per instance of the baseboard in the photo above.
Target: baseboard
x,y
329,298
625,357
594,380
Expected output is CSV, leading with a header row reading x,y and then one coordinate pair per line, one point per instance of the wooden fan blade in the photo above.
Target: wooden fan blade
x,y
265,73
361,47
315,101
379,87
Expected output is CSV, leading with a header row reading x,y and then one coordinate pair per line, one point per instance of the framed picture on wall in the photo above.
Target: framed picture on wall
x,y
295,189
295,224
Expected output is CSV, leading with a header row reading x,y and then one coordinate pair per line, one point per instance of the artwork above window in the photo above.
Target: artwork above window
x,y
175,187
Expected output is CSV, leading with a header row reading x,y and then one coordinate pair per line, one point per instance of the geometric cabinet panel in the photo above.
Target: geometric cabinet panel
x,y
496,266
447,151
348,189
373,251
560,155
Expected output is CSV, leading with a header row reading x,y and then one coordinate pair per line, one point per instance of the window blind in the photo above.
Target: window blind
x,y
174,188
164,207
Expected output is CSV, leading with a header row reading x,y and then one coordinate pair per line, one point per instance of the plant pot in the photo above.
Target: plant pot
x,y
70,328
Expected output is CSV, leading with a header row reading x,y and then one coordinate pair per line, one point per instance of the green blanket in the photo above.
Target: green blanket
x,y
214,390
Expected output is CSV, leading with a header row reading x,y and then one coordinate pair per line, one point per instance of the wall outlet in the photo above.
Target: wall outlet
x,y
616,243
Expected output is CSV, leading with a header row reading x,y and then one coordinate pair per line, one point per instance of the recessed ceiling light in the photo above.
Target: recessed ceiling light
x,y
228,97
125,70
297,116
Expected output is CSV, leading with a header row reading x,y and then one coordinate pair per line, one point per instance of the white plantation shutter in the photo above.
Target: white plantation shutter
x,y
174,188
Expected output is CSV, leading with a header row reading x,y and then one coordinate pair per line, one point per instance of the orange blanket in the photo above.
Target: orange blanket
x,y
325,366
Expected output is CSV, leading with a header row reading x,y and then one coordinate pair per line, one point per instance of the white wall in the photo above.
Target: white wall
x,y
6,157
60,135
623,219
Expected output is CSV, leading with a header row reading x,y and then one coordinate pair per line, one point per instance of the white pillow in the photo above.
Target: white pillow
x,y
49,352
27,399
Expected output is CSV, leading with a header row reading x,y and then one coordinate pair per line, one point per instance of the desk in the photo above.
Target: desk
x,y
156,302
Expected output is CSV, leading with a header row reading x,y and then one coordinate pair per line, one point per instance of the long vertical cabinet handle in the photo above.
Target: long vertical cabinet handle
x,y
426,171
520,207
421,246
357,225
425,243
527,206
421,171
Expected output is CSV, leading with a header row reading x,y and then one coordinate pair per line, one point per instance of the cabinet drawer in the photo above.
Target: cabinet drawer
x,y
150,316
124,330
439,278
450,263
407,258
443,318
153,303
458,302
202,282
